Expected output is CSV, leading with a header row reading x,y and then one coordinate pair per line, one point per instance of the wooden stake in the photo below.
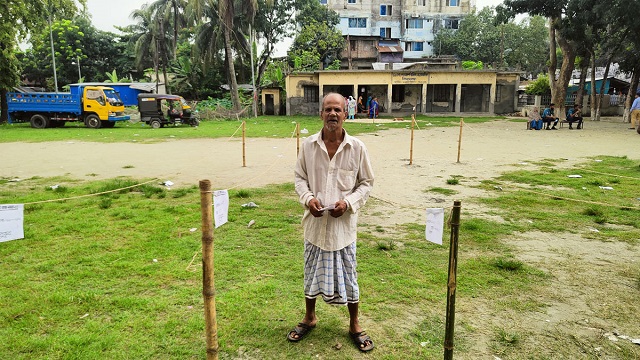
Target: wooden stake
x,y
460,138
244,150
452,281
413,122
297,138
208,288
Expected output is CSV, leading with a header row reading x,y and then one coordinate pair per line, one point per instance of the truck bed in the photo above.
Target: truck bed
x,y
44,102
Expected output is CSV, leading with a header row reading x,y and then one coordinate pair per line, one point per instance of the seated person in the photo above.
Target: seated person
x,y
535,121
173,113
548,117
574,115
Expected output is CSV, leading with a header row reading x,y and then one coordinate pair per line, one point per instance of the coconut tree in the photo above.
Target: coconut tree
x,y
147,34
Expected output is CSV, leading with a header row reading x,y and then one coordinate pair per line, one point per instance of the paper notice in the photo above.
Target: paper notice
x,y
435,225
11,222
220,207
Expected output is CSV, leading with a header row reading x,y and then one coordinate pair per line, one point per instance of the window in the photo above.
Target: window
x,y
421,2
499,89
357,22
453,2
451,24
414,24
397,93
386,10
413,46
351,1
96,95
385,33
323,2
311,94
353,45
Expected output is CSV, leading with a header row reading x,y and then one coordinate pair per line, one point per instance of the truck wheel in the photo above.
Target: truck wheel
x,y
156,124
93,122
39,121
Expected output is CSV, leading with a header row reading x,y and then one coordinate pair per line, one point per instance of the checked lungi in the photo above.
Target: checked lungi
x,y
331,274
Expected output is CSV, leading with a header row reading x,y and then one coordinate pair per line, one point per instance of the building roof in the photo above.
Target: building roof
x,y
390,49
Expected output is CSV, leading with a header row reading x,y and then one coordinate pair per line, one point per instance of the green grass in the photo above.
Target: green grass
x,y
440,190
118,276
554,202
263,126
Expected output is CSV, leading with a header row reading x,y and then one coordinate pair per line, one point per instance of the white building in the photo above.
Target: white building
x,y
394,30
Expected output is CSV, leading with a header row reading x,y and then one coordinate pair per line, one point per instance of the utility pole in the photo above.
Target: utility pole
x,y
53,54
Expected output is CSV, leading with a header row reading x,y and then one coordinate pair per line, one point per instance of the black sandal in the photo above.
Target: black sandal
x,y
362,341
300,330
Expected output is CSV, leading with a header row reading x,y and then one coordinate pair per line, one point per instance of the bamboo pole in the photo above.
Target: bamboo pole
x,y
413,122
452,281
297,138
244,147
460,138
208,288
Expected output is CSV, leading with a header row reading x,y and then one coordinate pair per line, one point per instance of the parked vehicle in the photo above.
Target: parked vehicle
x,y
158,110
96,106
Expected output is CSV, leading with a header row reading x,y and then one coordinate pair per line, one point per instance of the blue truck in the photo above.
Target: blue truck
x,y
96,106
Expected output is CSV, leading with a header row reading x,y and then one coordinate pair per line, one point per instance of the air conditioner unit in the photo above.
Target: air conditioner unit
x,y
415,15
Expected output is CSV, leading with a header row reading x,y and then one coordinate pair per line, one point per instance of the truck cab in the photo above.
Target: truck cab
x,y
101,106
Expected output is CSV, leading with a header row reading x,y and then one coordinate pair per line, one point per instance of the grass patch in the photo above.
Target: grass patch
x,y
263,126
118,275
508,264
443,191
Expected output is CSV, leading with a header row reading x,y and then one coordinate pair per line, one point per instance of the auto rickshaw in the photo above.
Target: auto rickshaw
x,y
158,110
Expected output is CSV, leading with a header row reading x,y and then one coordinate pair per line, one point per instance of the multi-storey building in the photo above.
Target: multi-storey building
x,y
394,30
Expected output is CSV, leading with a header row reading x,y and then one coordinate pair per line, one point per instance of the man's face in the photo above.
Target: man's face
x,y
333,112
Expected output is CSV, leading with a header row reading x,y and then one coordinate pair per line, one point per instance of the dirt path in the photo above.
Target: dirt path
x,y
577,308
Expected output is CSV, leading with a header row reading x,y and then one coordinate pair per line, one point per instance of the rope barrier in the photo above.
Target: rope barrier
x,y
156,179
234,133
90,195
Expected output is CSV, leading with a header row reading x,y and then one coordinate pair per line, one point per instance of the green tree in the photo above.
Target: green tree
x,y
274,22
317,44
520,46
148,37
18,20
565,28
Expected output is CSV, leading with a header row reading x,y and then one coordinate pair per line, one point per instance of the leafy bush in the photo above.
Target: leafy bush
x,y
539,87
472,65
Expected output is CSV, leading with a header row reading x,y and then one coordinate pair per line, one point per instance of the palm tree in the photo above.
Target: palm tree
x,y
170,12
148,37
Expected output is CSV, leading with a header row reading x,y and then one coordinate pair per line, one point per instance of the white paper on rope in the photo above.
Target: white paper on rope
x,y
220,207
435,225
11,222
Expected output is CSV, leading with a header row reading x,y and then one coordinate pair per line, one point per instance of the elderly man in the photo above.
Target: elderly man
x,y
333,178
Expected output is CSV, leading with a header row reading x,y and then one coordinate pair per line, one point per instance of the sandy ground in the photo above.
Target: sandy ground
x,y
487,150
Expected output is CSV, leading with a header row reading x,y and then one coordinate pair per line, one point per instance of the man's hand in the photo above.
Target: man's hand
x,y
314,207
341,208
